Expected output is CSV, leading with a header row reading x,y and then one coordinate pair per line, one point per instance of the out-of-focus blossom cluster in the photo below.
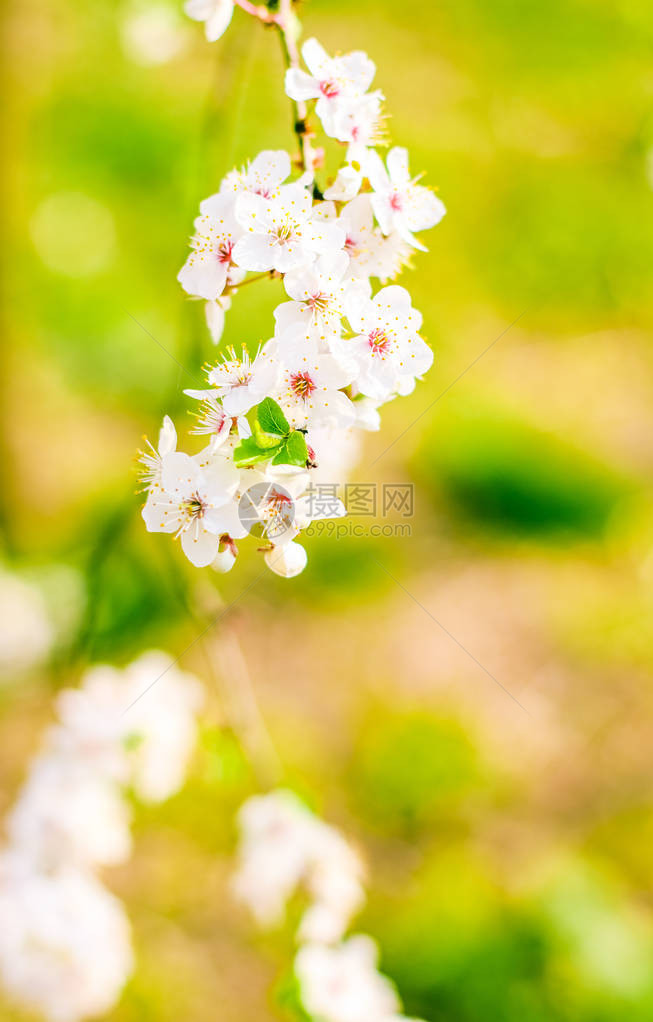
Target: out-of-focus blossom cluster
x,y
27,632
284,848
341,346
65,947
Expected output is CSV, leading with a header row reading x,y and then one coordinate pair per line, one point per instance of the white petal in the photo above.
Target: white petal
x,y
423,208
252,211
269,168
214,312
159,513
393,299
203,275
300,86
329,373
346,185
167,437
316,58
376,172
199,545
178,473
382,211
360,70
221,208
226,520
397,163
255,252
219,20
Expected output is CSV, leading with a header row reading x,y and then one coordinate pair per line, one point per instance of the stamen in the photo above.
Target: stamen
x,y
302,385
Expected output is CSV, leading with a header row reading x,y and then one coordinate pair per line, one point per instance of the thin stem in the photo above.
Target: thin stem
x,y
283,21
259,11
266,275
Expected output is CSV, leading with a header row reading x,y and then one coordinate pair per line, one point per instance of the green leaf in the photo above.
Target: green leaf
x,y
272,419
293,452
264,440
248,453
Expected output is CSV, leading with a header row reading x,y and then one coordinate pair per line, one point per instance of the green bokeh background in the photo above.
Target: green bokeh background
x,y
472,704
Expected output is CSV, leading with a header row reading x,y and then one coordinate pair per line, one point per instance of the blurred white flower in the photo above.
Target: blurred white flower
x,y
26,631
342,984
65,948
163,723
153,34
284,845
68,813
116,726
64,940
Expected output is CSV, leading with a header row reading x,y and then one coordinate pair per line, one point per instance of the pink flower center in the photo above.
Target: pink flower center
x,y
277,501
195,506
379,341
395,202
224,252
319,302
302,385
329,88
283,233
265,193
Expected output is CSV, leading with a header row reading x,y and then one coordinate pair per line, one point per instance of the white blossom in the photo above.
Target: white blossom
x,y
210,265
309,390
189,501
68,813
263,177
241,382
331,81
399,203
387,345
282,232
358,121
319,293
163,727
284,845
152,458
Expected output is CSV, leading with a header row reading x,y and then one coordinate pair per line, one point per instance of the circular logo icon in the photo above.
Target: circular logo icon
x,y
267,510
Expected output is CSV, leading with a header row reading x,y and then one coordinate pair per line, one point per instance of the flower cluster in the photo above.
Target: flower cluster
x,y
284,847
65,947
340,348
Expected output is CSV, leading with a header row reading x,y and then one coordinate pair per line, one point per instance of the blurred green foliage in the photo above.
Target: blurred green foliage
x,y
506,475
412,770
